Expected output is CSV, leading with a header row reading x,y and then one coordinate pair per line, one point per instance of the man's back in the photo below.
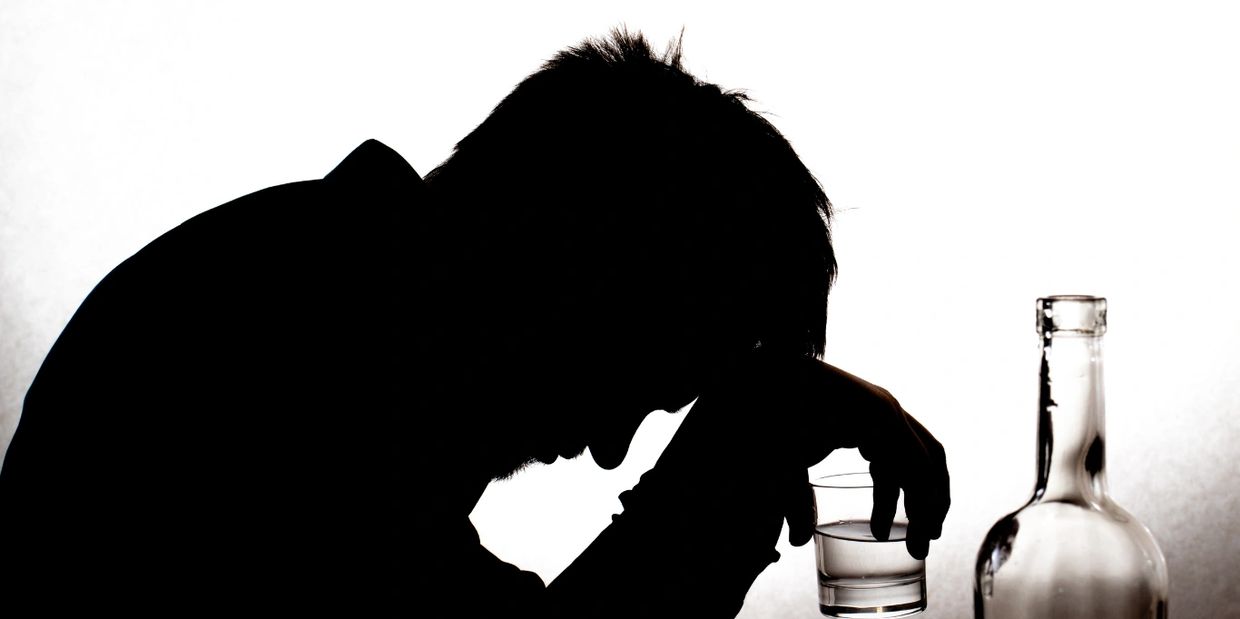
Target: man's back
x,y
212,410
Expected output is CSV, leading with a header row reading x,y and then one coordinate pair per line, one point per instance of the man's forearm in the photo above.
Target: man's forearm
x,y
667,555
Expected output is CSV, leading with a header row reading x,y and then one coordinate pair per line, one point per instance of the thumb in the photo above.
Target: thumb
x,y
799,510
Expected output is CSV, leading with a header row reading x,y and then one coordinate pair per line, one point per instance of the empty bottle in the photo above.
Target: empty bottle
x,y
1070,551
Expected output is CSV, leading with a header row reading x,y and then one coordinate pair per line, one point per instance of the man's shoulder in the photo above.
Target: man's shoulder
x,y
356,197
278,242
374,165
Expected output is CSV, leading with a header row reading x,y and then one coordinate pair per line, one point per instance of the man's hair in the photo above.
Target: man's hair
x,y
613,172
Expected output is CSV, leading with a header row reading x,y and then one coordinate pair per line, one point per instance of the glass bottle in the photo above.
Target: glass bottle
x,y
1070,551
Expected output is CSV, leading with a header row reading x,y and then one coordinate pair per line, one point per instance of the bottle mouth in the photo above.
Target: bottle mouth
x,y
1072,314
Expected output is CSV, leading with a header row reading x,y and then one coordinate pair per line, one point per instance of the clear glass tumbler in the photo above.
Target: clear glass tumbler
x,y
860,575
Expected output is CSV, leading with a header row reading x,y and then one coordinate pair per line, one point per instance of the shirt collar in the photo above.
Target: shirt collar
x,y
373,166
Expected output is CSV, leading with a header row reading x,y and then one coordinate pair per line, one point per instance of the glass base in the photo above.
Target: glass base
x,y
872,601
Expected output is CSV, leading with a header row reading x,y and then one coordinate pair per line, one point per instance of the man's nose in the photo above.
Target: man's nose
x,y
612,444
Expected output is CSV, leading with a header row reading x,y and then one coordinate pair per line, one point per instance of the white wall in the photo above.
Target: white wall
x,y
980,154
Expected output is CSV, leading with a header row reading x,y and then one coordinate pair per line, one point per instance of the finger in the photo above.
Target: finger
x,y
926,498
800,509
931,498
920,521
917,543
941,492
937,500
886,495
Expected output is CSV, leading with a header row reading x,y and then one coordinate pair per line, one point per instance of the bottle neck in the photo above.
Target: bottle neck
x,y
1071,451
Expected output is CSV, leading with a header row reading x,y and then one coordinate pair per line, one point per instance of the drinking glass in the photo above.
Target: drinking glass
x,y
858,574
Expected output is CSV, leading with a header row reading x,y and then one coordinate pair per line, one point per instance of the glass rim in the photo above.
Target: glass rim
x,y
858,480
1072,298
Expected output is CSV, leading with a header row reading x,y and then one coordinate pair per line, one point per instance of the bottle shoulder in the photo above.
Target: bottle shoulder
x,y
1085,514
1066,559
1093,533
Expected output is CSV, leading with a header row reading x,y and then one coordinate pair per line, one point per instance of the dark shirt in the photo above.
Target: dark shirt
x,y
226,421
236,420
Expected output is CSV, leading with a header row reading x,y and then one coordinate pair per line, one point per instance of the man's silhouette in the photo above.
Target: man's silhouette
x,y
292,402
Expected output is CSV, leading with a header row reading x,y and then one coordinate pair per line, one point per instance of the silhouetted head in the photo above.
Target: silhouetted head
x,y
616,233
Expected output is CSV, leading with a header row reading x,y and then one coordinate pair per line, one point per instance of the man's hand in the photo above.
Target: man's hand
x,y
703,523
758,429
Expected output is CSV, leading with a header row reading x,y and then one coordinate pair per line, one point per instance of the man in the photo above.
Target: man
x,y
293,401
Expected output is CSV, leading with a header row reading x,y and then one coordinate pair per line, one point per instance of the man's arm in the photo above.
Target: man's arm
x,y
703,523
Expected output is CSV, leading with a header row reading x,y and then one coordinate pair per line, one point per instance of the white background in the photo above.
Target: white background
x,y
979,154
